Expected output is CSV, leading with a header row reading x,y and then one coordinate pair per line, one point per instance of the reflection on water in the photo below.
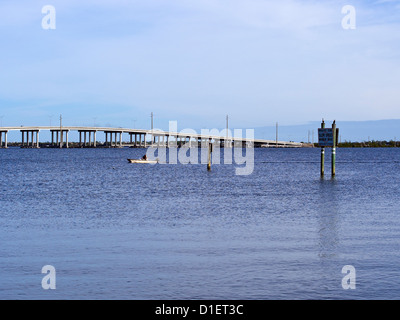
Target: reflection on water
x,y
328,221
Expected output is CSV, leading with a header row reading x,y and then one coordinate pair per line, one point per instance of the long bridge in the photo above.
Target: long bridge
x,y
137,138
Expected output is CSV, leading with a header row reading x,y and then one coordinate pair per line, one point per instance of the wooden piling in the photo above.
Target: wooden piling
x,y
209,156
334,149
322,153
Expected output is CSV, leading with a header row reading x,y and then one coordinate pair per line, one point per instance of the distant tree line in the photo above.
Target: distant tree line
x,y
368,144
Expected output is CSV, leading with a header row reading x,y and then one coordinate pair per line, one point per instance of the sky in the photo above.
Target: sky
x,y
112,63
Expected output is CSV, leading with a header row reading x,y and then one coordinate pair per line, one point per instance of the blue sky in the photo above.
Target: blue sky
x,y
112,63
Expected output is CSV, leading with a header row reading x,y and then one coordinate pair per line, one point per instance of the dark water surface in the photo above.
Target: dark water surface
x,y
115,230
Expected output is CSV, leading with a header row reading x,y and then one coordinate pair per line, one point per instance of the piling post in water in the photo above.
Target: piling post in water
x,y
61,133
334,148
209,155
322,153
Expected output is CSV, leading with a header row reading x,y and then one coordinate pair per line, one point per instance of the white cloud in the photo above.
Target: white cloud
x,y
256,59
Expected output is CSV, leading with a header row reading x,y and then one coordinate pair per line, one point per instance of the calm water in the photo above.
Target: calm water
x,y
115,230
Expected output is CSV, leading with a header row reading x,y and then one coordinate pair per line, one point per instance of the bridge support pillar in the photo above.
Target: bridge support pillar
x,y
114,142
3,134
86,142
59,141
30,143
137,140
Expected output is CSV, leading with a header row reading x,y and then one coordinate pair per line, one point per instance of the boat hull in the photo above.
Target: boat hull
x,y
142,161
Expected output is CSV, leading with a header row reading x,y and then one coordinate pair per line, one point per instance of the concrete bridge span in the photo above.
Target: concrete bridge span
x,y
140,138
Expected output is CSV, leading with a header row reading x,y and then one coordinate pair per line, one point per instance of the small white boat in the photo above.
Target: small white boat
x,y
142,161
